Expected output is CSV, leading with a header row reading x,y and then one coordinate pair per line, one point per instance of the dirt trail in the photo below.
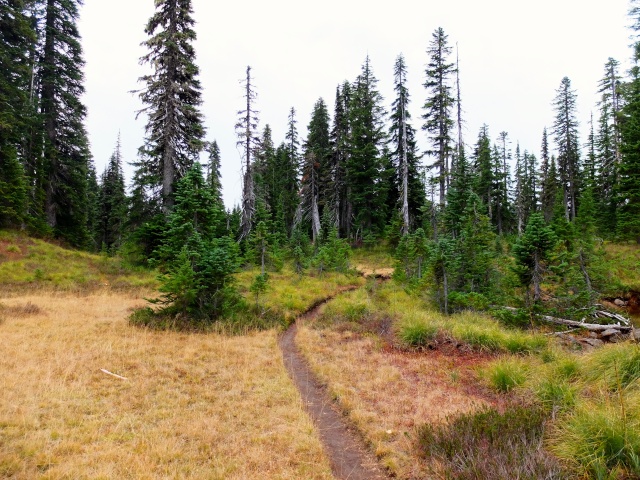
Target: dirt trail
x,y
345,449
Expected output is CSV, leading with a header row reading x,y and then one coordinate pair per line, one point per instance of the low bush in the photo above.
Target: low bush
x,y
489,444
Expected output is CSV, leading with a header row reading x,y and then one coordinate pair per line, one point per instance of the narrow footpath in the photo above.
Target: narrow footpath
x,y
346,451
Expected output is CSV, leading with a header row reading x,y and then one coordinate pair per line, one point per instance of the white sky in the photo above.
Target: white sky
x,y
513,55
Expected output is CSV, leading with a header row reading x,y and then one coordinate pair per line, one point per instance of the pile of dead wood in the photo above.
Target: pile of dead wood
x,y
618,326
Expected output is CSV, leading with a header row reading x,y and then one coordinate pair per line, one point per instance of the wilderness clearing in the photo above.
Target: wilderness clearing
x,y
88,394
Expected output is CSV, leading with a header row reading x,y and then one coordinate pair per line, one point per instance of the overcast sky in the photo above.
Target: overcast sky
x,y
513,55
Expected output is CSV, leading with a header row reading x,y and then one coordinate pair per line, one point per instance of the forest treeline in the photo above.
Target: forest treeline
x,y
358,176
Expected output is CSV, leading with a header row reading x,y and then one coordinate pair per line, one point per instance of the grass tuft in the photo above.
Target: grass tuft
x,y
618,366
506,374
415,332
601,442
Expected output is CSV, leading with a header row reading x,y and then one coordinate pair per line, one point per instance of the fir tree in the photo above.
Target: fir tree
x,y
565,131
608,148
197,263
547,179
474,246
172,97
339,202
408,186
365,166
438,117
319,144
483,169
628,222
112,203
66,151
214,178
502,160
16,37
531,252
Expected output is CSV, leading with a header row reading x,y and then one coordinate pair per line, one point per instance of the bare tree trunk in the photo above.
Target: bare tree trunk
x,y
405,174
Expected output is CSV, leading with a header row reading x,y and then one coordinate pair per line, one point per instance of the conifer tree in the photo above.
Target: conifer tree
x,y
340,204
196,259
565,131
263,174
608,148
171,94
437,108
16,37
531,252
319,142
65,153
214,178
628,221
483,169
474,247
112,203
502,179
408,186
365,166
287,199
547,179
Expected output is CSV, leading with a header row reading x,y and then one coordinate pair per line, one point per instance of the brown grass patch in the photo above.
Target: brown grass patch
x,y
194,406
388,393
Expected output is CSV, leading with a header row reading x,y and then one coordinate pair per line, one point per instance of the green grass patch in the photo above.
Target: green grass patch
x,y
506,374
617,366
623,264
599,441
416,332
32,263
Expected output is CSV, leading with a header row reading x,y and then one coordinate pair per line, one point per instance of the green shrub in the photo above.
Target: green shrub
x,y
519,318
468,301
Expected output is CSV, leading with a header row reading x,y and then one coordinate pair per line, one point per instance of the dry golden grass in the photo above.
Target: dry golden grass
x,y
193,406
388,393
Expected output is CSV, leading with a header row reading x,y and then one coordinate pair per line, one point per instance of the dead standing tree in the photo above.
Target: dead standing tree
x,y
246,129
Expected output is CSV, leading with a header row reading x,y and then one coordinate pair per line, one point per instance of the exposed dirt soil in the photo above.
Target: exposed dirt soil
x,y
348,455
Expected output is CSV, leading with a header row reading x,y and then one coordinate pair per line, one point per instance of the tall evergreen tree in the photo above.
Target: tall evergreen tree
x,y
112,203
16,38
319,142
65,155
172,97
340,204
608,148
502,178
483,168
409,191
437,108
365,166
628,224
565,131
214,177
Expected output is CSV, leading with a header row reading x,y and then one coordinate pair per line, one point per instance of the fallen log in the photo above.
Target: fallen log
x,y
593,327
614,316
